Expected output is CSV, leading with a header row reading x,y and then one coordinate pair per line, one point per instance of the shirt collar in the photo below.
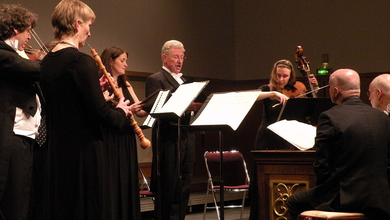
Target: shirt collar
x,y
13,44
173,74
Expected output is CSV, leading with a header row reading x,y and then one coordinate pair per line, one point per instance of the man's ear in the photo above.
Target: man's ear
x,y
379,93
336,92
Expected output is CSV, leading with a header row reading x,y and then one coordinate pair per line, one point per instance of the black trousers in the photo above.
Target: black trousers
x,y
173,193
14,204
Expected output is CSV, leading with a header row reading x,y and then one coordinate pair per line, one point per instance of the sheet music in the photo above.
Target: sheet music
x,y
182,98
299,134
160,100
227,108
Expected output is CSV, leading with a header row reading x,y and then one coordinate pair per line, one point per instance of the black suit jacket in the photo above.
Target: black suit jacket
x,y
160,80
17,76
167,126
352,158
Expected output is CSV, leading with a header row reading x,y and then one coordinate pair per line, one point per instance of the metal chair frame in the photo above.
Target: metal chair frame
x,y
228,156
144,187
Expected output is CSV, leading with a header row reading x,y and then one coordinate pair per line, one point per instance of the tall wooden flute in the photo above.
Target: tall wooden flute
x,y
144,142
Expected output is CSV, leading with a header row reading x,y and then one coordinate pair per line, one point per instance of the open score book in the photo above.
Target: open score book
x,y
299,134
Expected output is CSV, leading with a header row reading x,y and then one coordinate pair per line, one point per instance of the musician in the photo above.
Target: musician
x,y
75,110
379,92
122,200
282,81
19,113
171,198
352,153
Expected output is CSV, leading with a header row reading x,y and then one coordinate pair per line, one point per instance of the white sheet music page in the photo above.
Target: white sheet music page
x,y
299,134
160,100
182,98
227,108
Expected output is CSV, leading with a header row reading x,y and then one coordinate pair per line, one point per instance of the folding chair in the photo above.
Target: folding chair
x,y
144,187
236,177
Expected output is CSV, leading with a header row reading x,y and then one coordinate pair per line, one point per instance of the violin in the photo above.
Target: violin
x,y
34,54
297,90
303,66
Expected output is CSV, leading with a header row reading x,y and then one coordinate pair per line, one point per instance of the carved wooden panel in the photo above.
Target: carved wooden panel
x,y
280,174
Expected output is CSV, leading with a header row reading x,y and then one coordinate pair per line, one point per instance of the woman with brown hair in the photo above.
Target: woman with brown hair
x,y
121,187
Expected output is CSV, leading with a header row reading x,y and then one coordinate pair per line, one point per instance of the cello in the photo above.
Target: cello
x,y
304,68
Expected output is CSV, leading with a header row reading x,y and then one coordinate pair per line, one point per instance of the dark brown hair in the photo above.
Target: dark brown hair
x,y
14,16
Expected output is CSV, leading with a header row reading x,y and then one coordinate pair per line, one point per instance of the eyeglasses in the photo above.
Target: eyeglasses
x,y
177,57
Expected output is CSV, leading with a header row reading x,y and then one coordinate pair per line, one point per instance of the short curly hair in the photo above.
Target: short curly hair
x,y
14,16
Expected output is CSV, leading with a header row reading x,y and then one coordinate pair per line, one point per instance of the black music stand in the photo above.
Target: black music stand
x,y
220,108
220,130
305,110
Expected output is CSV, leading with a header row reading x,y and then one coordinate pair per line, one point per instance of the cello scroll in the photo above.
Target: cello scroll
x,y
304,68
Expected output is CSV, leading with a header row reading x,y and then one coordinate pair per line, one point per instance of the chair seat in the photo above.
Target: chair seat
x,y
146,193
240,187
323,215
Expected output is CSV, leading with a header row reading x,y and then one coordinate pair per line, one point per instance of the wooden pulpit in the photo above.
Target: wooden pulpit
x,y
281,173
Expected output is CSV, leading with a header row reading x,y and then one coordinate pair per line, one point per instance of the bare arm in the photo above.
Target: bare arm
x,y
273,94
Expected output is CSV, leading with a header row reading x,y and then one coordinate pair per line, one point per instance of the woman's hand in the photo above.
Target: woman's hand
x,y
104,85
313,80
107,96
124,105
136,107
281,97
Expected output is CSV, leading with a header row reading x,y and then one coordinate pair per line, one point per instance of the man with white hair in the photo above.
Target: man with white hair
x,y
172,193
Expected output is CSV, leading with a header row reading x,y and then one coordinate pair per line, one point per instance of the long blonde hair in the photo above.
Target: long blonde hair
x,y
273,81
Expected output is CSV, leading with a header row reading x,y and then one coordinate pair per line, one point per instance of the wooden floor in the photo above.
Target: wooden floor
x,y
196,204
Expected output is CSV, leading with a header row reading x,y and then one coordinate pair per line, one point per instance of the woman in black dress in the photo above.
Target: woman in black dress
x,y
75,111
122,189
282,78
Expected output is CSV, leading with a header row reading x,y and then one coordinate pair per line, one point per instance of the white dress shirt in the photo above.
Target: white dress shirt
x,y
176,76
25,124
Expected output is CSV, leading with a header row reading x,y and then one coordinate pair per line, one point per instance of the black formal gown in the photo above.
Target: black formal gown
x,y
75,112
122,201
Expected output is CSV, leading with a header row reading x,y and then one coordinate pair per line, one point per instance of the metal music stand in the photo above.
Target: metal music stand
x,y
305,110
220,128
